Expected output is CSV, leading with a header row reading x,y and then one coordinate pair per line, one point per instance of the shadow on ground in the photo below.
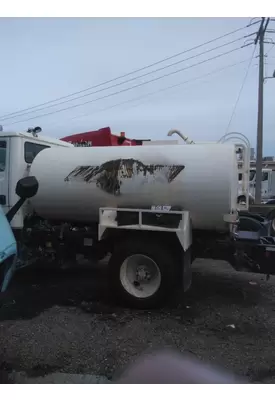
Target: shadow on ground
x,y
35,290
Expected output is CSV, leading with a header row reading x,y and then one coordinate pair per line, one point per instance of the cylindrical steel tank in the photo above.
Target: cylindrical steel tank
x,y
75,182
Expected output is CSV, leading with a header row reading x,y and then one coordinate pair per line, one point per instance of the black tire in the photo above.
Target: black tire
x,y
168,265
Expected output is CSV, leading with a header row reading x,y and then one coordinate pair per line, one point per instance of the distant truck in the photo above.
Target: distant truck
x,y
154,209
268,185
100,138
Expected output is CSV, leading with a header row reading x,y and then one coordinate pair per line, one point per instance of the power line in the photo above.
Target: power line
x,y
127,74
127,81
127,89
240,91
161,90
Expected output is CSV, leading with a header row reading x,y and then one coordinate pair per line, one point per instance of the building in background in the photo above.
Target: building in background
x,y
252,153
268,158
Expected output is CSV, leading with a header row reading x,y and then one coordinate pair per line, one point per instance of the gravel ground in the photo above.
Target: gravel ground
x,y
64,321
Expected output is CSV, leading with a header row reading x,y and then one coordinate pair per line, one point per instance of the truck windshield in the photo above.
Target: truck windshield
x,y
3,150
31,151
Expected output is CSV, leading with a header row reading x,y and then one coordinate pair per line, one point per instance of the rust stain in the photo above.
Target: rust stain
x,y
108,176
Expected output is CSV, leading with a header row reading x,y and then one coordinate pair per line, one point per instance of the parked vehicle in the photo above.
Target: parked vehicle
x,y
101,137
25,189
268,185
153,208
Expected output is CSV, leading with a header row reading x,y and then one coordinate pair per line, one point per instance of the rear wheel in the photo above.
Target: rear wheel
x,y
144,273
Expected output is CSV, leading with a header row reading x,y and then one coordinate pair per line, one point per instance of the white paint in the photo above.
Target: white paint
x,y
107,219
161,142
207,187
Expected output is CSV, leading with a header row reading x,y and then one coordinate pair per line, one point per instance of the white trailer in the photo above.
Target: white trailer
x,y
154,208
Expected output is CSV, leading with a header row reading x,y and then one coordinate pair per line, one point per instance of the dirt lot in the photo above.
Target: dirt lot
x,y
64,321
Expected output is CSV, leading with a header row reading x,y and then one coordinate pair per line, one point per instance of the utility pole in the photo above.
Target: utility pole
x,y
259,160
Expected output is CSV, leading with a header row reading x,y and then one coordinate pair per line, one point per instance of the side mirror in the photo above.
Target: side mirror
x,y
27,187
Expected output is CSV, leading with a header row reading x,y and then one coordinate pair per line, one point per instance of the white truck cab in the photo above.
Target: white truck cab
x,y
17,152
268,184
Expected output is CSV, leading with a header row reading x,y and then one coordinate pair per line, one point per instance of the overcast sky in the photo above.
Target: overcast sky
x,y
44,59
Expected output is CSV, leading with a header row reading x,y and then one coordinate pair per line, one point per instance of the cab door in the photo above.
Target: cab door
x,y
4,173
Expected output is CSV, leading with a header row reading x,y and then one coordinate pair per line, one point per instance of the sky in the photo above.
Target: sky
x,y
43,59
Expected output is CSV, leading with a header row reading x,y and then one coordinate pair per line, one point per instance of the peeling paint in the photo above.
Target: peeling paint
x,y
109,175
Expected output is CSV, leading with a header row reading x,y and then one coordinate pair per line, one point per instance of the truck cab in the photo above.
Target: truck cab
x,y
17,152
267,175
267,184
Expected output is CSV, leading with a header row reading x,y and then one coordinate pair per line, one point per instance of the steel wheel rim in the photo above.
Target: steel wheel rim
x,y
140,276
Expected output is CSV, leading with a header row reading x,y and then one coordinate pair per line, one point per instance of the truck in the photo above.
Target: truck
x,y
268,185
101,137
152,209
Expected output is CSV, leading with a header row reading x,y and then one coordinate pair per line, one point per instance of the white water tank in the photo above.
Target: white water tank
x,y
75,182
161,142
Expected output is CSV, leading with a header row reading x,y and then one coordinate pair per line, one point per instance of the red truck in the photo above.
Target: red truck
x,y
101,137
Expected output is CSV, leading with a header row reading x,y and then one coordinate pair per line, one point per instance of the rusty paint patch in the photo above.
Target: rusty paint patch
x,y
108,176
